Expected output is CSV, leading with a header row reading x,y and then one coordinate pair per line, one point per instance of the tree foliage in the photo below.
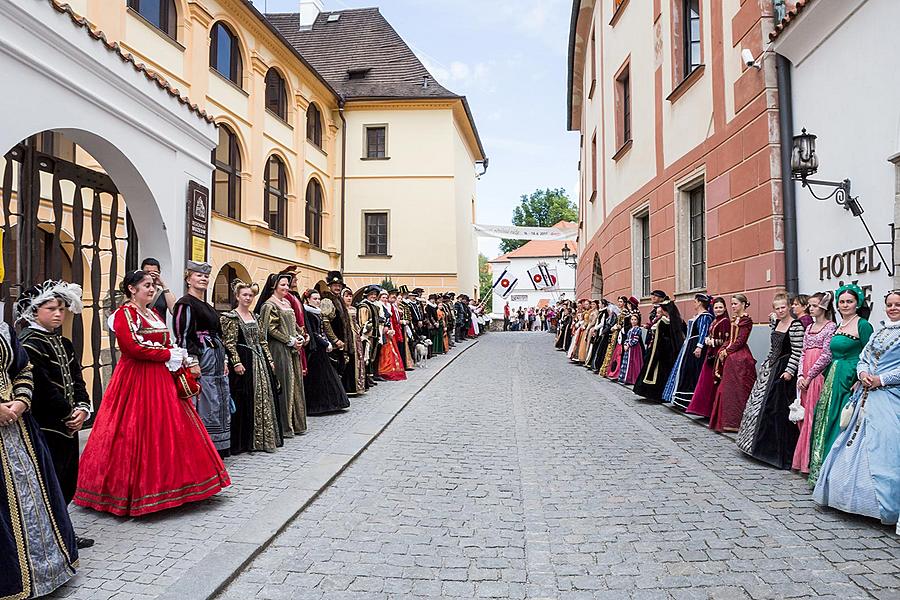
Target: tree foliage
x,y
543,208
485,281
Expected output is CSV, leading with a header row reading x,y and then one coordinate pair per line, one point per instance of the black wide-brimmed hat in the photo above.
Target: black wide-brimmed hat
x,y
418,291
334,277
404,289
659,294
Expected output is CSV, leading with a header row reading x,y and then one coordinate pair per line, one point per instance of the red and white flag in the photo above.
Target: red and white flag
x,y
506,286
537,278
551,281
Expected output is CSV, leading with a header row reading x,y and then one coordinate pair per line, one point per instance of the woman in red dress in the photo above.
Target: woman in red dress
x,y
738,371
390,364
148,450
705,392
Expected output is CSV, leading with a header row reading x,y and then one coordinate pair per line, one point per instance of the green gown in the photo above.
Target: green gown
x,y
836,389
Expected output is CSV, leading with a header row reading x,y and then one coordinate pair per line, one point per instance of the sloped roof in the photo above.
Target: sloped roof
x,y
789,16
538,248
360,39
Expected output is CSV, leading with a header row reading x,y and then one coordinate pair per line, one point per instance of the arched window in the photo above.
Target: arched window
x,y
314,213
160,13
225,53
226,158
314,125
275,201
276,94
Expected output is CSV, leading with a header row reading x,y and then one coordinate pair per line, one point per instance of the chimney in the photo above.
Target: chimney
x,y
309,10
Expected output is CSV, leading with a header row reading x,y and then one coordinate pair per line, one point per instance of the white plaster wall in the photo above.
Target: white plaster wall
x,y
845,94
518,267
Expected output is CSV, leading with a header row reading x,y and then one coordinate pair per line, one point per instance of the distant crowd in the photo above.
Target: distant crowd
x,y
529,319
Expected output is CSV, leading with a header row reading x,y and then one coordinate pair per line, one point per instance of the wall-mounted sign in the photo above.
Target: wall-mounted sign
x,y
847,264
197,222
519,297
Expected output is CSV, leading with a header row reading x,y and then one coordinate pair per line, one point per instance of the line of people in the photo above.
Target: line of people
x,y
180,401
824,402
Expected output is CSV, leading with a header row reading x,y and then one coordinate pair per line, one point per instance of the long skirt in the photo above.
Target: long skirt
x,y
254,425
634,365
214,402
291,402
615,363
37,543
808,399
324,391
684,381
390,365
576,342
623,364
705,392
738,377
610,348
766,433
861,473
836,390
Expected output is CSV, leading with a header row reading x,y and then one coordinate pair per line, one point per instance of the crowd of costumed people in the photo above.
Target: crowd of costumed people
x,y
182,400
824,402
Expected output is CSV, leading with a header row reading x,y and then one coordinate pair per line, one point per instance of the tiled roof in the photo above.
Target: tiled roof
x,y
150,74
789,16
360,39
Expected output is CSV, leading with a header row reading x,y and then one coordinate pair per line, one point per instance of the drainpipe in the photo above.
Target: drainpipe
x,y
343,178
788,193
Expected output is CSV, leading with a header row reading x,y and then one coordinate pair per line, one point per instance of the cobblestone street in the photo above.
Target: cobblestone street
x,y
516,475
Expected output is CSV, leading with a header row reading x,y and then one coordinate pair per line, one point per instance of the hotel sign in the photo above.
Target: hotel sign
x,y
848,265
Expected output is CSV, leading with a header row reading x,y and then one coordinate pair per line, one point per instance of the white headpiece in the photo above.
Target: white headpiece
x,y
35,296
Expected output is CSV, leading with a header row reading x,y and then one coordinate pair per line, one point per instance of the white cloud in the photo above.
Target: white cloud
x,y
458,73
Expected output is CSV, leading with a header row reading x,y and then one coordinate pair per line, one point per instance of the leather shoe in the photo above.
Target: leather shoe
x,y
83,542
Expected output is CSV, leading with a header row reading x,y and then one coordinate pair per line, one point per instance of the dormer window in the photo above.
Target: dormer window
x,y
357,74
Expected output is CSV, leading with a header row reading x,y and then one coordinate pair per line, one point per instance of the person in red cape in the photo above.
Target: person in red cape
x,y
148,450
390,365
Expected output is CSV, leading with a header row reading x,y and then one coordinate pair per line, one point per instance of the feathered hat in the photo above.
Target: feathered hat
x,y
38,295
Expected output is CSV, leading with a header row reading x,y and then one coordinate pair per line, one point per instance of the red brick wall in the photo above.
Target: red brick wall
x,y
743,192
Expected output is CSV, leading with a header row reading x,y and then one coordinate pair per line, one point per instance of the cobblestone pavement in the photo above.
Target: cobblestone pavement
x,y
138,559
517,475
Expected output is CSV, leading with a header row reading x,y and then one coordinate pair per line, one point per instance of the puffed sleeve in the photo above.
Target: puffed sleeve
x,y
703,329
865,330
230,332
825,358
795,332
132,343
269,320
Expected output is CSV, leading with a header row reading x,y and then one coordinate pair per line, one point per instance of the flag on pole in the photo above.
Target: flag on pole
x,y
507,286
551,281
499,279
537,278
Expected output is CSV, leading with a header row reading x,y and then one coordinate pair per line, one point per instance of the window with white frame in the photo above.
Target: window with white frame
x,y
691,235
640,254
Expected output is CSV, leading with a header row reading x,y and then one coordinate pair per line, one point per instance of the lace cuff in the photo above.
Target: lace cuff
x,y
176,358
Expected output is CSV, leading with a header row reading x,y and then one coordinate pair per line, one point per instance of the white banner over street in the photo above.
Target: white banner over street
x,y
513,232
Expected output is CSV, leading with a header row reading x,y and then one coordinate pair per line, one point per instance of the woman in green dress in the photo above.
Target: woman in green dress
x,y
846,345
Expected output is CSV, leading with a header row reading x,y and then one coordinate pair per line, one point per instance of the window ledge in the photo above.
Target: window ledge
x,y
618,13
156,29
375,256
225,217
229,82
282,121
593,196
592,90
686,84
375,158
623,150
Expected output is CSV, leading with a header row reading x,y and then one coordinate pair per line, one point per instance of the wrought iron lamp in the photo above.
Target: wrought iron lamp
x,y
805,162
568,257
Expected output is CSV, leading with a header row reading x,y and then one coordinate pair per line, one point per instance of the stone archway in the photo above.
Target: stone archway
x,y
223,298
597,278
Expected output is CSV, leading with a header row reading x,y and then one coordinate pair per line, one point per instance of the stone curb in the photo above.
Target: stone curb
x,y
226,560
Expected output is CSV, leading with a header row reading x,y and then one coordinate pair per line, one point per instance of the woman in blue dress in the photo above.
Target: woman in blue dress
x,y
861,473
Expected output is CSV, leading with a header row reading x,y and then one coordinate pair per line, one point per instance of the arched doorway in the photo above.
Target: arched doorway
x,y
223,298
597,278
62,217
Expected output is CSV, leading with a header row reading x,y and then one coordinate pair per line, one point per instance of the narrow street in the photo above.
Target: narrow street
x,y
516,475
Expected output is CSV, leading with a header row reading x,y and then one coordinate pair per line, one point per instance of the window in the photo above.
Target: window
x,y
55,144
314,213
275,200
690,36
376,233
696,214
376,141
623,105
640,256
276,94
226,158
593,63
225,53
159,13
314,125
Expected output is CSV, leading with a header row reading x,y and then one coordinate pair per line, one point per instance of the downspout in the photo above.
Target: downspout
x,y
788,193
343,178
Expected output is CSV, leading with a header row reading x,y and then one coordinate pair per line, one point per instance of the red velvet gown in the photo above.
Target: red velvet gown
x,y
708,383
737,379
390,365
148,450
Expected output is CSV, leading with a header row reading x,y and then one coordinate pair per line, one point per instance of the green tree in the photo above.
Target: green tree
x,y
485,281
543,208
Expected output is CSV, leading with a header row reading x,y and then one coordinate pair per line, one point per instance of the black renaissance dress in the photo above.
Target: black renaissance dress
x,y
766,433
663,350
324,390
256,422
37,542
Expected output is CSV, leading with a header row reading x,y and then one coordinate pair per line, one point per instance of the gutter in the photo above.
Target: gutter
x,y
788,191
343,178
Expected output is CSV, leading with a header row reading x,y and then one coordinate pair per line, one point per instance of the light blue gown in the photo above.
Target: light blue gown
x,y
861,473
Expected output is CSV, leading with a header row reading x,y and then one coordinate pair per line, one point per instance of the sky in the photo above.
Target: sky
x,y
509,58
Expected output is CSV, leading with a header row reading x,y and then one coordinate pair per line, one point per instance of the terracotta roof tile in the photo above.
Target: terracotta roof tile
x,y
150,74
789,17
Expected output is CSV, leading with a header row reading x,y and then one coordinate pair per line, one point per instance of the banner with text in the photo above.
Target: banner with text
x,y
513,232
